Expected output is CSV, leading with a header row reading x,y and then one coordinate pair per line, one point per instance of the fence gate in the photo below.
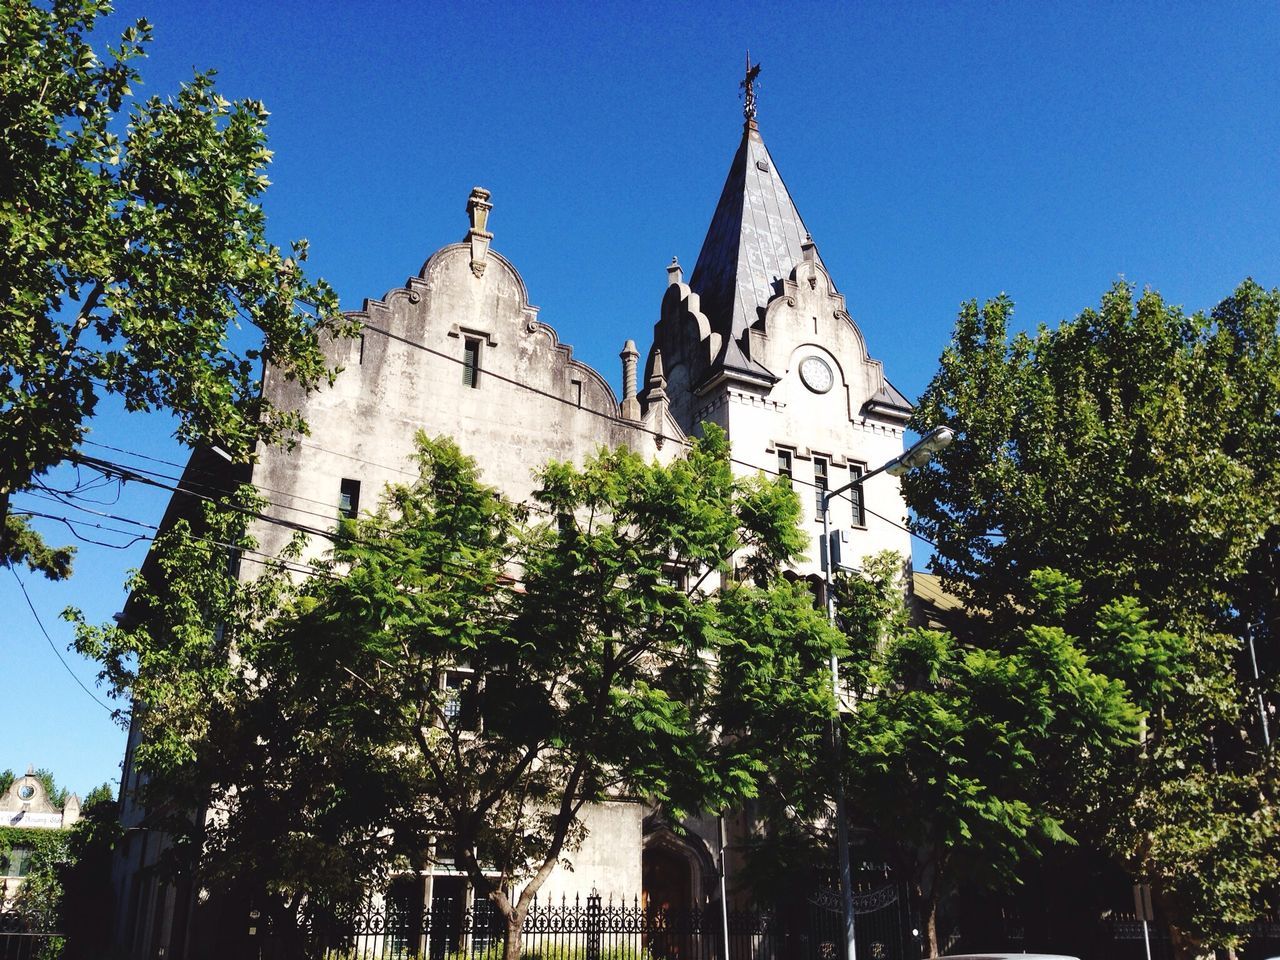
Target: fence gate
x,y
881,924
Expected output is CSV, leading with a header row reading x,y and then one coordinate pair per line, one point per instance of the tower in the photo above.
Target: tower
x,y
759,341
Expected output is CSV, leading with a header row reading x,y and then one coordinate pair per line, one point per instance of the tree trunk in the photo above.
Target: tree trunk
x,y
929,909
515,933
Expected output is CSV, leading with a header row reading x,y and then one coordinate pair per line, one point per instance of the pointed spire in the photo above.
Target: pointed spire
x,y
655,398
755,239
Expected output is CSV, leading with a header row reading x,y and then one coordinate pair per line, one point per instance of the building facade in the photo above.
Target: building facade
x,y
26,805
757,339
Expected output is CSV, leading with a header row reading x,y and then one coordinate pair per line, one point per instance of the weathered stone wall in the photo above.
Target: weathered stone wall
x,y
532,402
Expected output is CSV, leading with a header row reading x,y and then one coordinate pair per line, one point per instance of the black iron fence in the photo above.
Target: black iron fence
x,y
24,937
600,928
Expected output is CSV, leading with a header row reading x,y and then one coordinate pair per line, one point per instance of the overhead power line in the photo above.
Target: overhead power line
x,y
54,647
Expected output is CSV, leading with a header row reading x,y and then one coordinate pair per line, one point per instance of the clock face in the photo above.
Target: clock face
x,y
816,374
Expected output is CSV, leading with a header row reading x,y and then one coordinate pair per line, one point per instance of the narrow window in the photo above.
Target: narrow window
x,y
819,483
577,391
784,465
361,358
460,699
855,496
349,498
676,577
471,362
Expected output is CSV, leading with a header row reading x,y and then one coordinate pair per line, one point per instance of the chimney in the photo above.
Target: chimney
x,y
630,402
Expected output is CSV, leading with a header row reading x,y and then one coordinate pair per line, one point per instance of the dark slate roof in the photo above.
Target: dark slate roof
x,y
889,403
752,244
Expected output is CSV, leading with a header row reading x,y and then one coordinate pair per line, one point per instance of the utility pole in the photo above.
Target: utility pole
x,y
917,456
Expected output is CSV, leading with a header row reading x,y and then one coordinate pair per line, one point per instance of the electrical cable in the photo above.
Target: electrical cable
x,y
54,647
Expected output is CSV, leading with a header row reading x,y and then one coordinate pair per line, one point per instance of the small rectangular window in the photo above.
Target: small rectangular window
x,y
676,577
360,359
819,483
784,465
471,362
349,498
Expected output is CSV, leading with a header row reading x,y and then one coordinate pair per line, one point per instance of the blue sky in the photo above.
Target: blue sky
x,y
937,152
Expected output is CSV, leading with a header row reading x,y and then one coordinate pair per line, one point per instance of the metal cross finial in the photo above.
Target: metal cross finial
x,y
749,85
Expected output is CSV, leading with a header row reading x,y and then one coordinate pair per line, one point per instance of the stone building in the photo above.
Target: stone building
x,y
757,339
26,805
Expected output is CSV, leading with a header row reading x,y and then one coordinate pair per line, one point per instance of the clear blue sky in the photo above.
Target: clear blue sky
x,y
937,154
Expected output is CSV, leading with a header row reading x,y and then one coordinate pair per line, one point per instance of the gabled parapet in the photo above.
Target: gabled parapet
x,y
457,351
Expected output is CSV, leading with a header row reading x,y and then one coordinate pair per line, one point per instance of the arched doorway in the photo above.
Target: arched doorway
x,y
671,898
667,878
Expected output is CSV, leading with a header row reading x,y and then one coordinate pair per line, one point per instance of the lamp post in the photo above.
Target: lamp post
x,y
917,456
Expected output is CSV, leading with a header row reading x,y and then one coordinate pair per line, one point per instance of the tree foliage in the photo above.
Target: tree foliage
x,y
132,248
951,751
463,676
1133,448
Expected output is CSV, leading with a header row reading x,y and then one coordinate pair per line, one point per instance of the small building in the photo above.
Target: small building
x,y
25,806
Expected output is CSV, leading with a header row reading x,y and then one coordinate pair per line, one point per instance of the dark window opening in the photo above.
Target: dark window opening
x,y
855,496
361,358
819,483
784,465
676,576
349,498
461,699
471,362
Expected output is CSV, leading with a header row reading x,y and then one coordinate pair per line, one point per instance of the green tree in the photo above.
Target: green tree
x,y
952,752
1133,448
87,895
101,794
299,807
131,249
558,655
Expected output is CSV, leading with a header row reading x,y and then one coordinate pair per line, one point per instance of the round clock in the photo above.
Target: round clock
x,y
816,374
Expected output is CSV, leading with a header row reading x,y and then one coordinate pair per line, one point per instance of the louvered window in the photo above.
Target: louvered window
x,y
471,362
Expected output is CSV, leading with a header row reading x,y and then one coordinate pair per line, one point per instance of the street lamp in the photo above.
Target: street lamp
x,y
917,456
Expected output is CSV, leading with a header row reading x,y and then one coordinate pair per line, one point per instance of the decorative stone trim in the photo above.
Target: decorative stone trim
x,y
457,331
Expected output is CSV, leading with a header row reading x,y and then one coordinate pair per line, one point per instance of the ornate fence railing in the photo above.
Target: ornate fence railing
x,y
24,937
596,928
